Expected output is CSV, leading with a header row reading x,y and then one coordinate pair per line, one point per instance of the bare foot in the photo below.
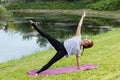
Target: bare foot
x,y
36,74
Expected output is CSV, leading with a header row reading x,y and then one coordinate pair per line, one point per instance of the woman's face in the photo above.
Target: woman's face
x,y
87,42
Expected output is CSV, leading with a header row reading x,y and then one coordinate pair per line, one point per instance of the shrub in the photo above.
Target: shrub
x,y
3,12
48,5
106,5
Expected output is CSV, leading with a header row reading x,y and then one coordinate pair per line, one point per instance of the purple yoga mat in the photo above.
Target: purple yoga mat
x,y
62,70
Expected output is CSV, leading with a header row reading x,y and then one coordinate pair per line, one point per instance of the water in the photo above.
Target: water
x,y
13,46
18,39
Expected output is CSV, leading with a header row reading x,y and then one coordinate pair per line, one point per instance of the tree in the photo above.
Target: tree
x,y
30,1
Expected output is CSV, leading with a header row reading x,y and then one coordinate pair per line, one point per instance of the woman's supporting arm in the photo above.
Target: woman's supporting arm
x,y
78,61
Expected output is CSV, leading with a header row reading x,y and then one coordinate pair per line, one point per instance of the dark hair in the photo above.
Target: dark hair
x,y
88,46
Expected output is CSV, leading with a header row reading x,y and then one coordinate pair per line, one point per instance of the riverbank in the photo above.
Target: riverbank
x,y
90,13
104,54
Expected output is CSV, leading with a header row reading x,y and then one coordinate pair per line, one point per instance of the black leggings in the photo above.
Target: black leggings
x,y
61,52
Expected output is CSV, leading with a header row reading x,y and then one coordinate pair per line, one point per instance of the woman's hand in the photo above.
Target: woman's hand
x,y
78,31
84,14
79,68
78,62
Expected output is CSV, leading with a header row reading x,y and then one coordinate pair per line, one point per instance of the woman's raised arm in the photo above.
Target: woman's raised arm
x,y
78,31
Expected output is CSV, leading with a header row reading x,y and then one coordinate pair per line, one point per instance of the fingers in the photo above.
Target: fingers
x,y
84,12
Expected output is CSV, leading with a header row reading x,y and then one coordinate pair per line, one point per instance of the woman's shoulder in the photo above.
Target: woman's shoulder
x,y
74,38
77,36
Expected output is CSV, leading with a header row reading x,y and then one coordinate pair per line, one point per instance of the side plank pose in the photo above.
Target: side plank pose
x,y
68,48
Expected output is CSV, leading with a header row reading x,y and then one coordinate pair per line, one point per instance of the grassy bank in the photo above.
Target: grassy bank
x,y
90,13
104,54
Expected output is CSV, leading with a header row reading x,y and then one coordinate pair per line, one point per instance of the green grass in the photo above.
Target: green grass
x,y
104,54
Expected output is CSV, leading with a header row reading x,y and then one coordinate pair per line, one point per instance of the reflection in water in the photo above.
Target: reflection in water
x,y
13,46
18,39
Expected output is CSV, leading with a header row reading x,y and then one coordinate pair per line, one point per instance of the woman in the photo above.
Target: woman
x,y
68,48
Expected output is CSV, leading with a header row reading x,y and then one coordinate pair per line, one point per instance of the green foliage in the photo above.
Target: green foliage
x,y
48,5
72,0
106,5
3,11
95,4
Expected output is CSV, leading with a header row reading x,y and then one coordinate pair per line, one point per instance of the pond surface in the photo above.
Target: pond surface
x,y
18,39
